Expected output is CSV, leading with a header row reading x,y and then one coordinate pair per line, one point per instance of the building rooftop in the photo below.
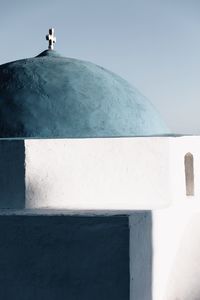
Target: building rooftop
x,y
50,96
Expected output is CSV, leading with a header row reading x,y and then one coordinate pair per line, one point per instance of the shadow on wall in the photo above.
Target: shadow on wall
x,y
141,254
12,174
63,257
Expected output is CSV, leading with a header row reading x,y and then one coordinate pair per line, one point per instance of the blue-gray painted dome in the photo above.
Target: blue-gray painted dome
x,y
50,96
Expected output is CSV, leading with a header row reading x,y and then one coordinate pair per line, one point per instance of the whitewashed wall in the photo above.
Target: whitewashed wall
x,y
97,174
114,176
175,264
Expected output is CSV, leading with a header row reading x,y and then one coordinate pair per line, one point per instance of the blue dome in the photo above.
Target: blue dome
x,y
50,96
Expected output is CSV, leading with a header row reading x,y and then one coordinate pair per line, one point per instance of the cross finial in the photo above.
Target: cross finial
x,y
51,38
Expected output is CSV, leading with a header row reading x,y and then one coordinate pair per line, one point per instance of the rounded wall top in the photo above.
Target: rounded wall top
x,y
50,96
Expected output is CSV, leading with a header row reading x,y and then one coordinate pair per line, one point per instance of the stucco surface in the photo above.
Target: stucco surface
x,y
141,255
12,174
176,267
50,96
56,258
97,174
183,282
92,175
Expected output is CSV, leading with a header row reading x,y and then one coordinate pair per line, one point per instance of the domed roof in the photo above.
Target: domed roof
x,y
50,96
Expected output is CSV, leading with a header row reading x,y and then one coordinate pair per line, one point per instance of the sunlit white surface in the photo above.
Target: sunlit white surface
x,y
170,224
109,174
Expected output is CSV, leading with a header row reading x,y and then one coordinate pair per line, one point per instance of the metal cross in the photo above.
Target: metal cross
x,y
51,38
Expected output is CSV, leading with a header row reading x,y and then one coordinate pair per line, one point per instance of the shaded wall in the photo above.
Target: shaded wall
x,y
12,174
141,254
63,257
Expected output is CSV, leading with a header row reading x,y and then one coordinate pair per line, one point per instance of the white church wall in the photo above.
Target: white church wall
x,y
12,174
106,174
170,224
115,175
180,146
184,277
141,253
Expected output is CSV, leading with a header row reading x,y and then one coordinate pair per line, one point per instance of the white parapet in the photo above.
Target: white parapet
x,y
98,174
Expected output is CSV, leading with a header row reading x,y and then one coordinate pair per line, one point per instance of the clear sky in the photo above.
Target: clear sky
x,y
154,44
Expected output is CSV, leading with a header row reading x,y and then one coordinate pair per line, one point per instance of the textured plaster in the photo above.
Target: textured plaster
x,y
176,229
98,174
141,254
56,258
12,174
50,96
95,175
76,258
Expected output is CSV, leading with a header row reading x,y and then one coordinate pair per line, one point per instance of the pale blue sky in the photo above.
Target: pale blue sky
x,y
154,44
